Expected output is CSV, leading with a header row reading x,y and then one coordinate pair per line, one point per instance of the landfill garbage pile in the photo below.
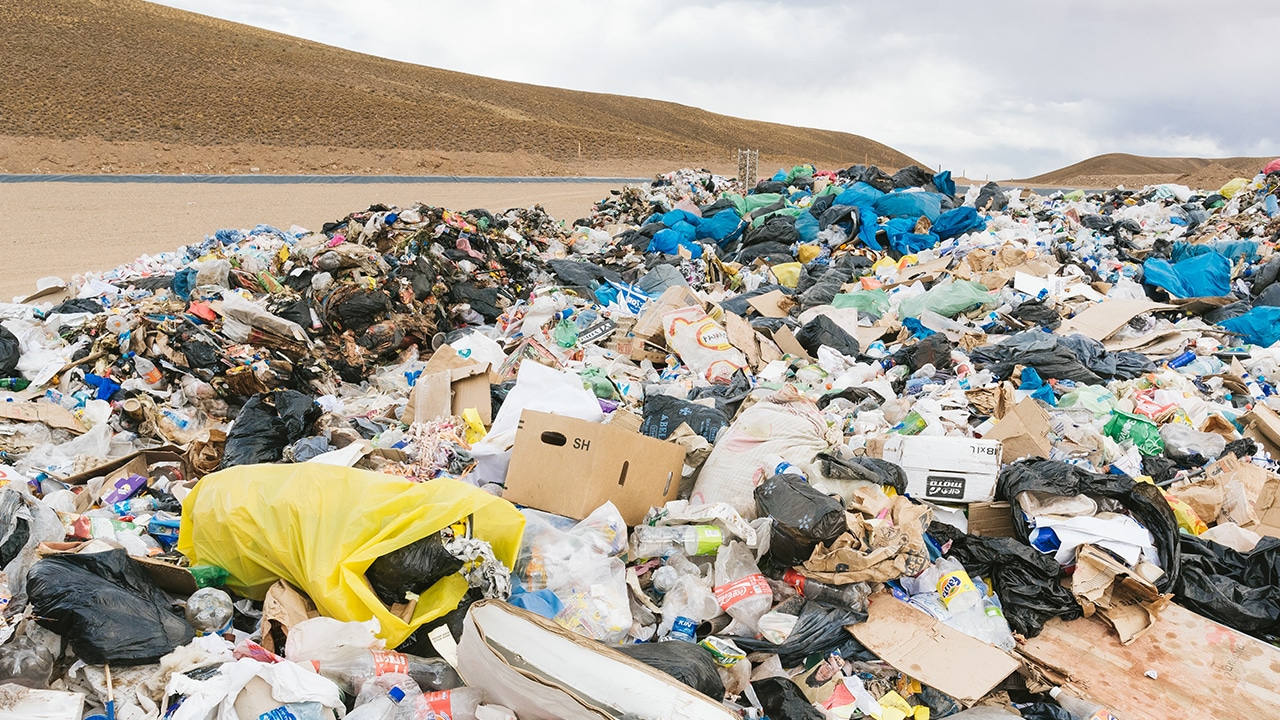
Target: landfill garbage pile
x,y
844,444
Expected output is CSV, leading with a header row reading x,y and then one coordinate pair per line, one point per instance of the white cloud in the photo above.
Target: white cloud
x,y
999,88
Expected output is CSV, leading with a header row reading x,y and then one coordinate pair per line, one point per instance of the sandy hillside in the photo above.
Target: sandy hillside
x,y
124,86
1135,171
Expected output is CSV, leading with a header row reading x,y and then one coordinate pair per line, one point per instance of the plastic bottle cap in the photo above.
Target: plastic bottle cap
x,y
396,694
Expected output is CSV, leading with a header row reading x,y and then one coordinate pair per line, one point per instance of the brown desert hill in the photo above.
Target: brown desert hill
x,y
1114,169
129,86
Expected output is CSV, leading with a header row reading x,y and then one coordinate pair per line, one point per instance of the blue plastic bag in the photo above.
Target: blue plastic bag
x,y
1207,275
910,205
954,223
1259,326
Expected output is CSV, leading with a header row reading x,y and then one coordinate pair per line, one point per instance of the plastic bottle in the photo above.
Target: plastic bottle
x,y
852,596
136,506
956,587
209,610
912,424
361,664
146,370
14,383
457,704
687,539
209,575
1079,708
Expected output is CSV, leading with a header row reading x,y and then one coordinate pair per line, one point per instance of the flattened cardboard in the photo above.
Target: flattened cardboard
x,y
991,519
177,580
1103,586
1103,320
571,467
787,343
164,453
649,326
1189,657
929,651
770,304
1023,432
1268,508
42,411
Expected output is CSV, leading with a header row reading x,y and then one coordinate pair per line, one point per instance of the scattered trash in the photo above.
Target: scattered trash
x,y
844,444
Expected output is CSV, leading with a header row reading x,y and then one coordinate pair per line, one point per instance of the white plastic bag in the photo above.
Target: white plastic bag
x,y
741,589
702,343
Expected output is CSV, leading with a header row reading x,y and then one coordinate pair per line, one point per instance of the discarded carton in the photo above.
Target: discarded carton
x,y
1023,432
1103,586
929,651
544,672
946,469
448,385
773,304
1190,663
571,467
283,607
42,411
1104,319
649,325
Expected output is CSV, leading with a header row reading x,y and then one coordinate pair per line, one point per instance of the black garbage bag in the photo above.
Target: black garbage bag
x,y
772,253
824,283
483,300
199,353
10,352
779,229
362,309
266,425
727,396
581,273
664,413
1036,312
803,518
689,663
106,607
1025,579
412,569
76,305
781,699
1035,349
991,198
934,350
1265,276
819,630
840,214
912,176
1236,589
820,205
1145,502
419,641
1043,711
868,469
1109,365
822,330
296,311
853,394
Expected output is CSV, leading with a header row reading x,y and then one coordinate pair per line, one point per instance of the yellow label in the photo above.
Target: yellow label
x,y
953,584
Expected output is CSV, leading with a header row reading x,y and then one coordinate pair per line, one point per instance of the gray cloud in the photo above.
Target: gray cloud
x,y
999,88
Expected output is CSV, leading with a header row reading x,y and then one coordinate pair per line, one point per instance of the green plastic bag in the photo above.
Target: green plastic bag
x,y
874,302
948,300
1139,430
1094,398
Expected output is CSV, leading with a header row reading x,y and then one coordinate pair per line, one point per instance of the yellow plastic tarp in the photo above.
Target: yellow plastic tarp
x,y
320,527
788,274
1232,187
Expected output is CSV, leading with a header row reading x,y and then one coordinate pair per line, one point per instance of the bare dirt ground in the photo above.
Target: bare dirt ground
x,y
67,228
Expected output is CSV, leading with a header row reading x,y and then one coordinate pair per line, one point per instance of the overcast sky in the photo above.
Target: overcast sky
x,y
996,88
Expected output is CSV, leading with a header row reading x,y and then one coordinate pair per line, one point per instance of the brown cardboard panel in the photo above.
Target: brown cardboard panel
x,y
571,467
42,411
991,519
787,343
1191,657
930,651
1023,431
1101,321
770,304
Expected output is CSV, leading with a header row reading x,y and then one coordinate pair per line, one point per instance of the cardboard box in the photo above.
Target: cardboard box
x,y
933,653
991,519
571,467
1023,432
946,469
448,385
164,453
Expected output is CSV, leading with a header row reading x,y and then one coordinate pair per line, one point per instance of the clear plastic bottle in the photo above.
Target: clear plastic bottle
x,y
147,370
457,704
956,587
1079,708
687,539
361,664
209,610
853,595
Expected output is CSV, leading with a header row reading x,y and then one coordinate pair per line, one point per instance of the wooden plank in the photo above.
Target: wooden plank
x,y
1202,668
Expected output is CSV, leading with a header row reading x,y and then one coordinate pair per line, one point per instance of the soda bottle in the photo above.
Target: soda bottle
x,y
956,587
688,539
14,383
1079,708
147,370
353,668
136,506
853,595
456,704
